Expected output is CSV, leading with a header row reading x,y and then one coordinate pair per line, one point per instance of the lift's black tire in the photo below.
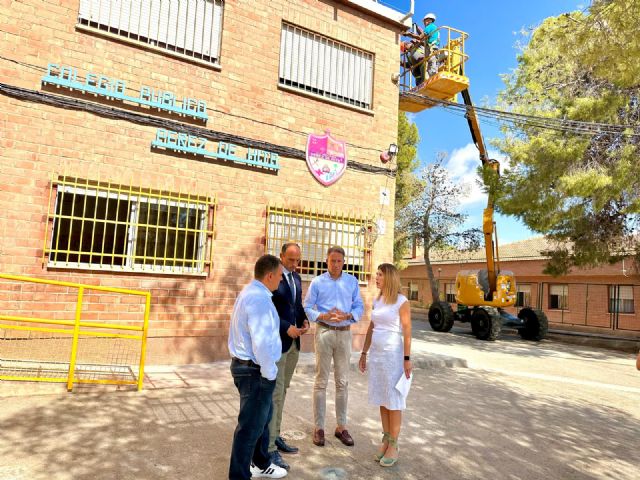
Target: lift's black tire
x,y
535,326
485,325
441,316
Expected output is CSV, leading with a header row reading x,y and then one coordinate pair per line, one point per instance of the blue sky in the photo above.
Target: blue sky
x,y
495,29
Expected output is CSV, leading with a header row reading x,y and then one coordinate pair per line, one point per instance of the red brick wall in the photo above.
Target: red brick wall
x,y
189,315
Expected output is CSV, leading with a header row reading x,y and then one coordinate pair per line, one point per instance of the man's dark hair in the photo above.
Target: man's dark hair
x,y
339,250
286,246
264,265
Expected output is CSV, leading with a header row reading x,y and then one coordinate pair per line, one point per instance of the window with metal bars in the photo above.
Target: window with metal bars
x,y
413,291
523,296
558,297
192,28
319,65
106,227
315,233
621,299
450,292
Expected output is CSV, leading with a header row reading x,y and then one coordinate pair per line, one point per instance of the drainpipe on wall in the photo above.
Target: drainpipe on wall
x,y
409,13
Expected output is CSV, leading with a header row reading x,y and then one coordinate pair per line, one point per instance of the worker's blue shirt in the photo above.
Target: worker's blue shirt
x,y
432,34
325,293
254,332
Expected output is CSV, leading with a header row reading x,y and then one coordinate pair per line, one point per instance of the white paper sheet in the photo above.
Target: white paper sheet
x,y
404,384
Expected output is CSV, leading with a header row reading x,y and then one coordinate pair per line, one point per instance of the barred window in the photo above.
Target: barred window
x,y
186,27
621,299
523,296
450,292
315,233
322,66
413,291
558,297
106,227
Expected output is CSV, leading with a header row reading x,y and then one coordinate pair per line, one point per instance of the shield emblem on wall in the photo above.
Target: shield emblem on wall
x,y
326,158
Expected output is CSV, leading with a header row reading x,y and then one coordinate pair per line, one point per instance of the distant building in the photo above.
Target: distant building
x,y
603,299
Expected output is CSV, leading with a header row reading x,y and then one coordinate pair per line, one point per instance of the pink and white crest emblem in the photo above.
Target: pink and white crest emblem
x,y
326,158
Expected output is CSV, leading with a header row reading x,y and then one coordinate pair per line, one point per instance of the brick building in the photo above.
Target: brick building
x,y
162,146
599,300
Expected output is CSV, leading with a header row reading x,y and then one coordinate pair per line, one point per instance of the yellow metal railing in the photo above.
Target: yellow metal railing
x,y
315,232
450,58
77,329
107,226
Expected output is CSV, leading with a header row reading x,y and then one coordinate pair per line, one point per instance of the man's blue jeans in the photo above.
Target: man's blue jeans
x,y
251,438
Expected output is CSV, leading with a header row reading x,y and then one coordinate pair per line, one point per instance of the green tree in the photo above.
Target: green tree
x,y
579,189
406,182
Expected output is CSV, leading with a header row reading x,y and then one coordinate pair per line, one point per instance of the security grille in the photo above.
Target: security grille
x,y
316,64
315,233
186,27
621,299
523,296
558,297
112,227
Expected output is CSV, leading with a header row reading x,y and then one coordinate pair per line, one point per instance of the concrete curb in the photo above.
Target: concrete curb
x,y
306,363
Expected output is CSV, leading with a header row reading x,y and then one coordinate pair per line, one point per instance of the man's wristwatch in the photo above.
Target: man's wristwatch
x,y
407,357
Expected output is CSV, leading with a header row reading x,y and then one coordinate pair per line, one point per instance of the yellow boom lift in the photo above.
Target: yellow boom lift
x,y
483,294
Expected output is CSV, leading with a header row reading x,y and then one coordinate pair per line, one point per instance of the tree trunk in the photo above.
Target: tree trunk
x,y
433,283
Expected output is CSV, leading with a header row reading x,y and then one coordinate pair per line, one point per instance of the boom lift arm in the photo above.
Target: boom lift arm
x,y
488,224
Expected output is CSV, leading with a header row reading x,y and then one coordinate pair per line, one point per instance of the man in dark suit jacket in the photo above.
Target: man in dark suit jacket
x,y
293,323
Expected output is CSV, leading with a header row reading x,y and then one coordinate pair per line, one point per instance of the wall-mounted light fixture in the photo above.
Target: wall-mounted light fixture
x,y
389,154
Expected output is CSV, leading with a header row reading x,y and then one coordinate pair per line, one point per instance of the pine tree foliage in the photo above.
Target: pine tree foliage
x,y
581,190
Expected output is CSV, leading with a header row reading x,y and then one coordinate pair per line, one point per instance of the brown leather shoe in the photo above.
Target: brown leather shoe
x,y
345,437
318,437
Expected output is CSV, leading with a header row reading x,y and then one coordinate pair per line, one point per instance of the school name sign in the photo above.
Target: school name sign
x,y
185,143
114,88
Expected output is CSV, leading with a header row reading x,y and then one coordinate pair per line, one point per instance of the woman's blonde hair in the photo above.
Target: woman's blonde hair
x,y
391,288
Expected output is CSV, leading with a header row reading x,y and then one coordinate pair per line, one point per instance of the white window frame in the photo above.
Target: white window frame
x,y
624,293
189,29
322,67
523,292
562,292
450,292
413,289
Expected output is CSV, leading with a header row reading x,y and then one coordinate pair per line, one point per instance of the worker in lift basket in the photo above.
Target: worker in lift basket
x,y
429,41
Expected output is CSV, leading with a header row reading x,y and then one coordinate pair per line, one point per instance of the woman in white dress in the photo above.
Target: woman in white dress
x,y
388,343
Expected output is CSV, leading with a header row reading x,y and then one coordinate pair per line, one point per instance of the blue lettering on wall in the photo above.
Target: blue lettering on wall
x,y
182,142
113,88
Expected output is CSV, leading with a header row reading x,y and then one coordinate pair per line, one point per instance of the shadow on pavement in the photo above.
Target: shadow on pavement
x,y
460,424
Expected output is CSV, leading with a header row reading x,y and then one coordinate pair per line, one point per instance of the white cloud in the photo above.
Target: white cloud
x,y
462,165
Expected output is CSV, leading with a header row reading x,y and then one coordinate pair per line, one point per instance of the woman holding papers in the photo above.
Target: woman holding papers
x,y
388,343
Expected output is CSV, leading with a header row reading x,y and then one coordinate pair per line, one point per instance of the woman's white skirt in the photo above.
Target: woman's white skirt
x,y
386,366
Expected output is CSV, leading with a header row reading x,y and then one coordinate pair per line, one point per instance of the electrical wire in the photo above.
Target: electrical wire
x,y
563,125
149,120
209,109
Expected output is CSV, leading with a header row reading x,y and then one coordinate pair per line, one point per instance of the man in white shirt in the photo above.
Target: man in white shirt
x,y
255,347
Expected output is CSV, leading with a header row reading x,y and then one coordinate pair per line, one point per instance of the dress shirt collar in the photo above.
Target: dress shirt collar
x,y
259,284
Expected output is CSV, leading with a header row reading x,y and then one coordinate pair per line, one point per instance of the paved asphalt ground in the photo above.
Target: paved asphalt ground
x,y
477,410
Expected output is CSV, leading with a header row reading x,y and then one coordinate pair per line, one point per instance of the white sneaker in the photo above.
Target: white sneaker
x,y
272,471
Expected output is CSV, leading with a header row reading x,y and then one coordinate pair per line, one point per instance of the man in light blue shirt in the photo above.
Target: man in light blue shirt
x,y
255,347
333,302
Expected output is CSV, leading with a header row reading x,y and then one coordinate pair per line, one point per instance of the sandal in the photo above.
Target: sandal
x,y
388,461
385,438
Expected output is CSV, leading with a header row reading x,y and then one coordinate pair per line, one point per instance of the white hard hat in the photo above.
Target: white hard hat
x,y
432,16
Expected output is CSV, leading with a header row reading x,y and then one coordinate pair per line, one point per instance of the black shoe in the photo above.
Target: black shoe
x,y
277,460
283,447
